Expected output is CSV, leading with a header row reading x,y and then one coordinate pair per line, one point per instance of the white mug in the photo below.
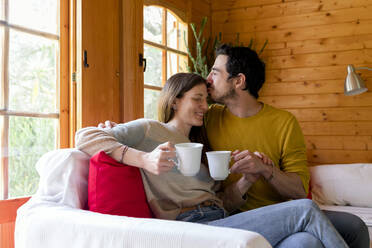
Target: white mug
x,y
218,162
189,158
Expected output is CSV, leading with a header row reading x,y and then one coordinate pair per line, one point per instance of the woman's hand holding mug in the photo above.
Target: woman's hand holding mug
x,y
160,159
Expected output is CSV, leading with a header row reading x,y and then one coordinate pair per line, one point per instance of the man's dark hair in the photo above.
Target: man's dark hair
x,y
246,61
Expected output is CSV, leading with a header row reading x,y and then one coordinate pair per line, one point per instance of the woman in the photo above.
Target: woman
x,y
148,144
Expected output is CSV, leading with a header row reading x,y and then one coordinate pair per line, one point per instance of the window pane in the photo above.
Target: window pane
x,y
176,31
29,138
176,63
151,103
32,73
152,23
183,62
40,15
172,31
153,73
182,36
172,64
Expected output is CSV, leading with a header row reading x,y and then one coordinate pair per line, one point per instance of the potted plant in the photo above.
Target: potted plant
x,y
204,54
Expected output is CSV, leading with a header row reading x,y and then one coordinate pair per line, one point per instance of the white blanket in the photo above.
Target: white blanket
x,y
53,219
50,225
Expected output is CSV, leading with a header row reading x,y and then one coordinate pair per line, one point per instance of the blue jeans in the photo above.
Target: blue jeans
x,y
297,223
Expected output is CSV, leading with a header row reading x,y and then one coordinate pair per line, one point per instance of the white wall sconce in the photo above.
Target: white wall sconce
x,y
354,85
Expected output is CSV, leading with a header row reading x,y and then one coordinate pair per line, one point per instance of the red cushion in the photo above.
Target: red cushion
x,y
115,188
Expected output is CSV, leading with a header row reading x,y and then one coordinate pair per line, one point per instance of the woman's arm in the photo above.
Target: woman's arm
x,y
92,140
157,162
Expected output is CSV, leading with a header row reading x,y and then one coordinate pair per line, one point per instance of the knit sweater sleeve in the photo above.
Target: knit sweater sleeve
x,y
293,158
93,139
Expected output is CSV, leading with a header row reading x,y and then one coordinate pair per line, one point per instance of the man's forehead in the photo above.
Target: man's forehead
x,y
220,62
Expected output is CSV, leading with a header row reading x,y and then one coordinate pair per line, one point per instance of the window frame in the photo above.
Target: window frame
x,y
164,45
63,138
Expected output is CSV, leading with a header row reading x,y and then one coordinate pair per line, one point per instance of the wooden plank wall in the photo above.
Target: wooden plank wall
x,y
310,44
201,8
197,10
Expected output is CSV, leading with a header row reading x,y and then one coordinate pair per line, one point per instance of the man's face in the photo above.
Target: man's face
x,y
220,88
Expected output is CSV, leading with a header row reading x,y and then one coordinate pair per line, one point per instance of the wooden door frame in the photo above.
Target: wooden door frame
x,y
131,40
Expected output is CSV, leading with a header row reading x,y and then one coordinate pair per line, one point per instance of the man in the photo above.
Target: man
x,y
244,125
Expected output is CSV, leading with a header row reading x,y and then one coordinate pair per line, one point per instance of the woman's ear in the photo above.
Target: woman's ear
x,y
240,81
174,104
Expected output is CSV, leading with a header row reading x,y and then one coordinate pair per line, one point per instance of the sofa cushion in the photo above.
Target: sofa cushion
x,y
115,188
63,177
342,184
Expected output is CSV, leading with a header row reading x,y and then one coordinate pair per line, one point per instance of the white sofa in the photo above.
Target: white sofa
x,y
344,187
53,217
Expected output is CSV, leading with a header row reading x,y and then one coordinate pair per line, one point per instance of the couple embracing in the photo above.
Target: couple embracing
x,y
254,196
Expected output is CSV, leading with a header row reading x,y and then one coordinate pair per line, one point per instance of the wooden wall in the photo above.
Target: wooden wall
x,y
198,10
310,44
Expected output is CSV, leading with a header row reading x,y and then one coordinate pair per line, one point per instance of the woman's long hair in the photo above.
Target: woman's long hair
x,y
175,87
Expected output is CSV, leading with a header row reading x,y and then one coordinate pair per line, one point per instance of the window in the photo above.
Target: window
x,y
30,90
164,50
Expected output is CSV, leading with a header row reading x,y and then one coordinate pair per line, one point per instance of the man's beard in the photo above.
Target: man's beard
x,y
230,94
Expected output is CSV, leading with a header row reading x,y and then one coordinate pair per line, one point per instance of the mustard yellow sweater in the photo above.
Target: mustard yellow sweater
x,y
272,131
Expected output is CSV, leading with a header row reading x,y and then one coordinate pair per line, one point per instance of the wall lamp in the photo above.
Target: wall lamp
x,y
354,85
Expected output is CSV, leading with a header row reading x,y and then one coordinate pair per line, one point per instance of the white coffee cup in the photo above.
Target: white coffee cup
x,y
218,162
189,158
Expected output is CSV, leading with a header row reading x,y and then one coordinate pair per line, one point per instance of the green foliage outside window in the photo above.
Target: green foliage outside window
x,y
32,83
29,139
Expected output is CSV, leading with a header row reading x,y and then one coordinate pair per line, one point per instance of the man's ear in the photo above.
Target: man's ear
x,y
240,81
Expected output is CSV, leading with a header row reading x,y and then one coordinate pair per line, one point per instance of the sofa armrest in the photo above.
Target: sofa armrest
x,y
364,213
47,224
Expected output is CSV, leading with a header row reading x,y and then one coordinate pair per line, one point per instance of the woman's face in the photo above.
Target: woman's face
x,y
190,108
